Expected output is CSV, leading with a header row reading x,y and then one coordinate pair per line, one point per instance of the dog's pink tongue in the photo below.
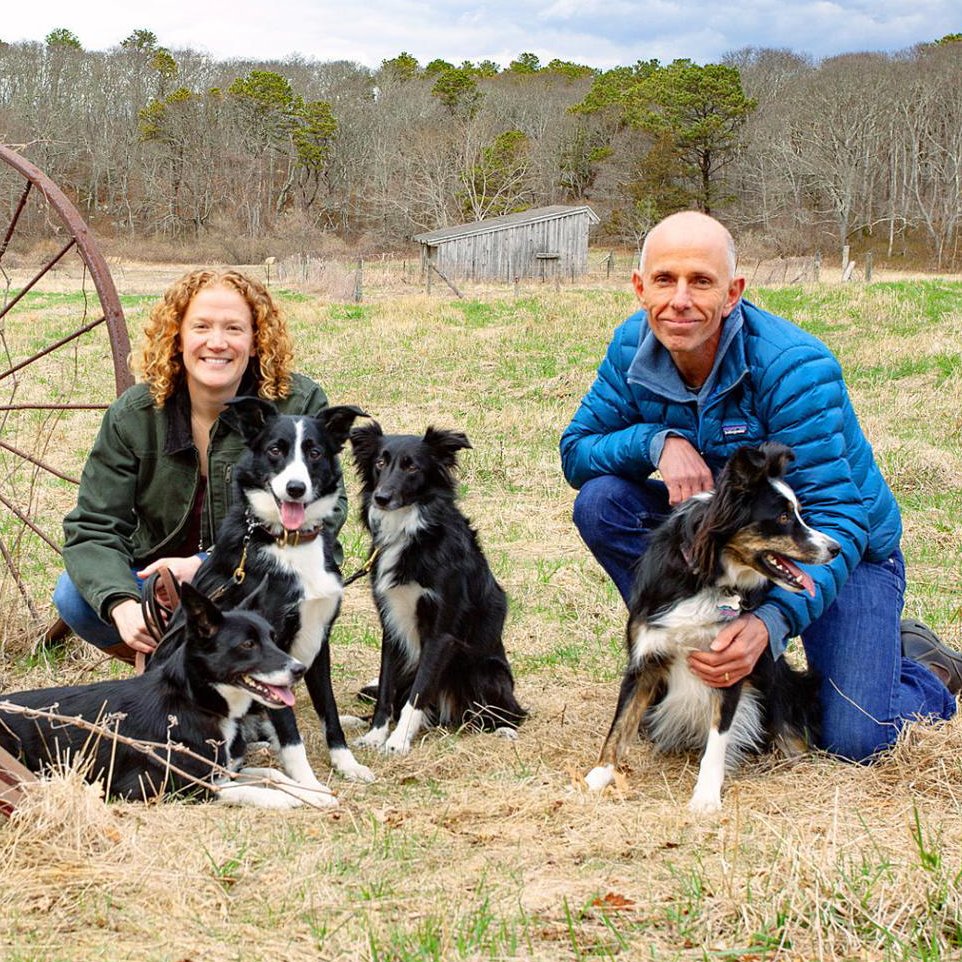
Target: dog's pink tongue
x,y
292,515
284,694
803,577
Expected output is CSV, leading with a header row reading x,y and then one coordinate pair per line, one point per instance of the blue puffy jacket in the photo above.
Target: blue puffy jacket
x,y
771,382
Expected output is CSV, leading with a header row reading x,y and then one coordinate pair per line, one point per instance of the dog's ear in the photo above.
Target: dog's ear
x,y
745,468
366,441
750,465
337,422
778,457
446,444
204,618
250,414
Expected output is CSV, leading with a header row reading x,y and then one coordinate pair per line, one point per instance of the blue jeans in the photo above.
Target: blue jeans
x,y
84,622
868,689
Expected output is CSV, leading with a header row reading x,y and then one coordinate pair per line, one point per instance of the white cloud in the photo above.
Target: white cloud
x,y
602,33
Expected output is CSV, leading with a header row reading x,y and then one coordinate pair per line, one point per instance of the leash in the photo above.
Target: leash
x,y
364,569
157,614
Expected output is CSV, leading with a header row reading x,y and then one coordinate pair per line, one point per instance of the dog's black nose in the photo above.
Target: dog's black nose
x,y
296,489
382,500
297,670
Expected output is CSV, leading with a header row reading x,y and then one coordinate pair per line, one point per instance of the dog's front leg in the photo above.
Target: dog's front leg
x,y
711,772
318,680
436,653
386,694
290,748
634,697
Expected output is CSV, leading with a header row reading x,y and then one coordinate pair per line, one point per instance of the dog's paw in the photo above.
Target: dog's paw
x,y
375,738
505,731
600,777
345,763
270,788
311,792
396,746
705,803
352,721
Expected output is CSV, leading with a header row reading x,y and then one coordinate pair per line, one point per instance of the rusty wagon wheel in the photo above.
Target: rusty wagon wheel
x,y
63,357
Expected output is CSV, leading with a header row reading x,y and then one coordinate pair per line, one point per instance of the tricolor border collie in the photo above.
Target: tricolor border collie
x,y
182,716
442,611
286,488
715,557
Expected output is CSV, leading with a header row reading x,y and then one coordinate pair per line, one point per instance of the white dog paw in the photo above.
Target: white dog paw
x,y
375,738
269,788
705,803
511,734
352,721
600,777
344,762
396,746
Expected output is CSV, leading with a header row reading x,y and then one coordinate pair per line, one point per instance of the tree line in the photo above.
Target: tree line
x,y
862,148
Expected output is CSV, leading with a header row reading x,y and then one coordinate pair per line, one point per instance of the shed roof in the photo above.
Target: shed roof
x,y
507,220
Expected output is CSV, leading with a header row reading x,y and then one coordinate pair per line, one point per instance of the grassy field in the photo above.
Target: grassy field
x,y
473,849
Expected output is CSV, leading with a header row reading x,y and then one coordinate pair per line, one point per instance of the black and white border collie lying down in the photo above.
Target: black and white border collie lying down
x,y
713,558
442,612
286,486
222,663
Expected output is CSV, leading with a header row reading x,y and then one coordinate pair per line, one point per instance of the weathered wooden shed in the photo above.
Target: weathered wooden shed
x,y
545,242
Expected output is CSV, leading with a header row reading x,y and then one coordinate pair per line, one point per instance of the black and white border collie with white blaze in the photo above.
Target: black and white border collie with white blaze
x,y
715,557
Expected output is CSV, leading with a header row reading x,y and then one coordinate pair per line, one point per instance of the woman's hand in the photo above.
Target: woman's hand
x,y
129,619
183,569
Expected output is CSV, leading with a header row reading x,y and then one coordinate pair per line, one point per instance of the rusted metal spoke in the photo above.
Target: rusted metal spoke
x,y
40,464
54,407
64,250
21,587
53,347
13,509
15,218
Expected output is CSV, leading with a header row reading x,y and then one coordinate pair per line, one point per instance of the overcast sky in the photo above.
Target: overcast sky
x,y
600,33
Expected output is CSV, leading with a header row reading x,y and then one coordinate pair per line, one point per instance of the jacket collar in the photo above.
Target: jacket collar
x,y
177,408
653,368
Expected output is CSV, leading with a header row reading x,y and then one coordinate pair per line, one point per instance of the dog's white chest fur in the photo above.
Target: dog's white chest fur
x,y
690,625
322,591
683,718
399,601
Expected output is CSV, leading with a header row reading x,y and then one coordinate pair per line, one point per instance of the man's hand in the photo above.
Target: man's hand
x,y
733,653
129,619
684,470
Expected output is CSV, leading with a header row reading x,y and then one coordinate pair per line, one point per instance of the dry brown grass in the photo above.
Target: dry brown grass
x,y
471,848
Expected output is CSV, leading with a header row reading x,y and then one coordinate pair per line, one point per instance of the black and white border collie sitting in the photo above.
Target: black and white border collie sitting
x,y
286,486
222,663
442,611
715,557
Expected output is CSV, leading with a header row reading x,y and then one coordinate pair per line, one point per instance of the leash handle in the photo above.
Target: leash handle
x,y
157,614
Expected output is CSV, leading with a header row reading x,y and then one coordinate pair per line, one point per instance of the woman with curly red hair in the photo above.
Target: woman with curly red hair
x,y
157,483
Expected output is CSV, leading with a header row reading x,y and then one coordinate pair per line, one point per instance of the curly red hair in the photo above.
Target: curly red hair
x,y
161,363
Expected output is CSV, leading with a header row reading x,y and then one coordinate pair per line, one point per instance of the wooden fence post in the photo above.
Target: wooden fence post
x,y
358,281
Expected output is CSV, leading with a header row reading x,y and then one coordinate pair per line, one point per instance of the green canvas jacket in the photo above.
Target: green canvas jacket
x,y
139,483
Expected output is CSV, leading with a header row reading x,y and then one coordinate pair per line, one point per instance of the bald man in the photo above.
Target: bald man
x,y
697,373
